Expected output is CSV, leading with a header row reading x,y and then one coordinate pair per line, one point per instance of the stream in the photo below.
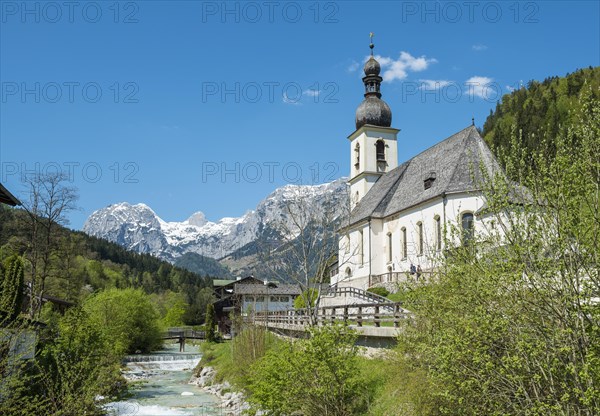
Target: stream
x,y
159,383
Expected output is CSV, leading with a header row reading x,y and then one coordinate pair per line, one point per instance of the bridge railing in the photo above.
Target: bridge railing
x,y
184,333
357,293
367,314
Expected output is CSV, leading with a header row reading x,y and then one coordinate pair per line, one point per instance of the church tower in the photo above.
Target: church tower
x,y
373,146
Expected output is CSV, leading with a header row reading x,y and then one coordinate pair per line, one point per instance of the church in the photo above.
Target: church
x,y
401,214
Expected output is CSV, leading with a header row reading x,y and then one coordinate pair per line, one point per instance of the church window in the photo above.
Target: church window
x,y
347,244
348,272
357,156
361,248
438,232
467,227
389,244
380,150
420,237
404,244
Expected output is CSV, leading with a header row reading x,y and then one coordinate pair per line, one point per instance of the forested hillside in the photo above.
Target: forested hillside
x,y
542,109
202,265
82,265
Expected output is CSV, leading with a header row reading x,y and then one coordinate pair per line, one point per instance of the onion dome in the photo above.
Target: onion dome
x,y
372,67
373,110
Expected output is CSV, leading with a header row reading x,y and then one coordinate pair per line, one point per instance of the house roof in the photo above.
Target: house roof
x,y
282,289
229,284
8,198
454,163
221,282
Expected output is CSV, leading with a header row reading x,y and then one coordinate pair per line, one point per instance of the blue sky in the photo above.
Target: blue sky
x,y
209,106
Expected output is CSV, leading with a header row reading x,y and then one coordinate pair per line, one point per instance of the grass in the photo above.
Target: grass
x,y
218,356
232,360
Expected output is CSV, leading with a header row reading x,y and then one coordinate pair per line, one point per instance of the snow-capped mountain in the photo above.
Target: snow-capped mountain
x,y
138,228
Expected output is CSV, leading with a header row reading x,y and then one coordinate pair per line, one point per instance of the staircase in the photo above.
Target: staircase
x,y
345,296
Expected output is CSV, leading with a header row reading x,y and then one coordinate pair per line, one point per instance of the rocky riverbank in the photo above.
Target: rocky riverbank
x,y
233,403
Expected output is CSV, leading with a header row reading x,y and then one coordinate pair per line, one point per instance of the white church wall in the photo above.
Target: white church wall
x,y
353,256
378,252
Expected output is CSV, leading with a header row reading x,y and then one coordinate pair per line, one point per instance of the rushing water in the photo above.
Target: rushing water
x,y
162,388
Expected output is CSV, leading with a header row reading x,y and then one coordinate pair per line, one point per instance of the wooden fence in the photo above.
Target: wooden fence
x,y
367,314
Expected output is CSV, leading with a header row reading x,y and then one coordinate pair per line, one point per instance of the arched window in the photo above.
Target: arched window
x,y
348,272
357,156
347,244
389,246
438,232
420,237
467,227
404,244
380,149
361,248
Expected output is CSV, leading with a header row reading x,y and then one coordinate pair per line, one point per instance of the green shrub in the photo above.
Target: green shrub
x,y
315,376
127,318
309,295
381,291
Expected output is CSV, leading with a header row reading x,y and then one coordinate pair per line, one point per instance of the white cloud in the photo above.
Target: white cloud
x,y
432,84
480,86
397,69
353,67
292,101
509,88
479,47
312,93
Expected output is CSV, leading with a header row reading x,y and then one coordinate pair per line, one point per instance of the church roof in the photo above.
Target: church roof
x,y
7,198
452,165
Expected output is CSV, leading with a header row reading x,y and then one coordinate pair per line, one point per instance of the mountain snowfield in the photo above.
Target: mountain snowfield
x,y
138,228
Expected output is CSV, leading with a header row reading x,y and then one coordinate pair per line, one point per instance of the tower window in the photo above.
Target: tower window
x,y
389,238
380,150
357,156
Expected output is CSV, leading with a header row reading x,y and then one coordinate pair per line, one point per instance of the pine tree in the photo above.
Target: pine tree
x,y
11,290
210,323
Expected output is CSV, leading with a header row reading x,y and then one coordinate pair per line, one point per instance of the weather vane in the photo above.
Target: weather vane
x,y
371,45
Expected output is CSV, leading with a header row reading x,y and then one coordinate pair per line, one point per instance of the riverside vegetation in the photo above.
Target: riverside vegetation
x,y
120,303
509,325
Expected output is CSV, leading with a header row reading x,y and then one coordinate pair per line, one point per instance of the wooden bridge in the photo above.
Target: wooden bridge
x,y
181,334
379,320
